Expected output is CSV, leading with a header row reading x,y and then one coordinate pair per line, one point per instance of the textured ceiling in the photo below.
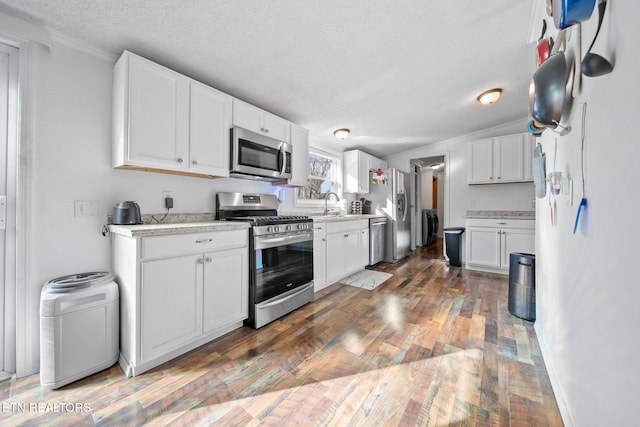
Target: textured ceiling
x,y
399,74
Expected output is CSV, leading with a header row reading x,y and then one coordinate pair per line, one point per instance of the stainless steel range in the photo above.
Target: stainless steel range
x,y
280,255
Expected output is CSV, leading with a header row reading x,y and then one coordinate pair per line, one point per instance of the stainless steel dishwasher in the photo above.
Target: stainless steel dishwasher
x,y
376,239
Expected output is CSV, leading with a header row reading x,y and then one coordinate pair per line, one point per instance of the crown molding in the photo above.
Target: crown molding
x,y
82,46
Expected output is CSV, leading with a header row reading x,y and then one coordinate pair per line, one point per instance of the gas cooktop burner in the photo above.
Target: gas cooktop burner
x,y
270,220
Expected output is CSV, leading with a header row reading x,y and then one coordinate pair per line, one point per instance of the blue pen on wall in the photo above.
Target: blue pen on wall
x,y
583,202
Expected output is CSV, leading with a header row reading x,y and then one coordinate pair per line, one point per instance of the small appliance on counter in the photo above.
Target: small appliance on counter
x,y
366,206
126,213
356,207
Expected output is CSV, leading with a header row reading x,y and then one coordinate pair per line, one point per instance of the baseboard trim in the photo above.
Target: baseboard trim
x,y
553,377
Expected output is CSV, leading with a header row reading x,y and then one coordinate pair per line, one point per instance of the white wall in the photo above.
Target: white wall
x,y
426,201
72,158
587,284
458,195
440,176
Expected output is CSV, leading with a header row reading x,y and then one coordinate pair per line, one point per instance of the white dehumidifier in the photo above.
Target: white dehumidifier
x,y
79,327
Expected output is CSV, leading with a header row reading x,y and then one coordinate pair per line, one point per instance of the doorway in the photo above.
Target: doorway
x,y
8,160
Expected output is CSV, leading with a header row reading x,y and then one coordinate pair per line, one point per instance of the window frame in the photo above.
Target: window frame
x,y
336,181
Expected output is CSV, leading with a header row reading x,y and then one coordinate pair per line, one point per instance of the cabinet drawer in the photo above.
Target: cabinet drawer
x,y
344,226
501,223
190,243
319,229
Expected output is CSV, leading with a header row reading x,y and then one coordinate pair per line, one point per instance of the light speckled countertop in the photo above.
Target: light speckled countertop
x,y
501,214
160,225
144,230
332,218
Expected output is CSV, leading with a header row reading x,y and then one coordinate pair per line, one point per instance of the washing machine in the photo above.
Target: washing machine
x,y
79,327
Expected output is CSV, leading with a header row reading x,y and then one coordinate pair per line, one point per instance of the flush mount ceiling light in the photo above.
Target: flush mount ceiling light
x,y
490,96
436,166
341,134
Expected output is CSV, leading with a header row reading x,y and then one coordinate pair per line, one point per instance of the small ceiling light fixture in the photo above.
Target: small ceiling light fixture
x,y
490,96
341,134
437,166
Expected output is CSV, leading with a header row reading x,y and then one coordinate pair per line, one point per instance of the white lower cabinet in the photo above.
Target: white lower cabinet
x,y
178,292
345,251
489,242
171,309
319,256
226,290
364,246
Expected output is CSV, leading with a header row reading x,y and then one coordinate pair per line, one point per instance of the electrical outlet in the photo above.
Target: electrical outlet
x,y
167,193
85,208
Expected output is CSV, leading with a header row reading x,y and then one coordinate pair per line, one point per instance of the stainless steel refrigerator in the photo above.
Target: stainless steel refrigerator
x,y
391,198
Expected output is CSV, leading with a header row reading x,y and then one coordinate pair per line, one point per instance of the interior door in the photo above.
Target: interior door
x,y
8,138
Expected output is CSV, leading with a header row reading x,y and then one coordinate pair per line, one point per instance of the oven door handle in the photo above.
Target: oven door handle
x,y
266,242
288,297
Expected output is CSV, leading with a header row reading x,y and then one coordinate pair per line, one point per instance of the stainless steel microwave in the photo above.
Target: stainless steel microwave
x,y
256,156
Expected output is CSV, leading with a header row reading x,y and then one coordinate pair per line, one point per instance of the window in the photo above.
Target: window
x,y
323,177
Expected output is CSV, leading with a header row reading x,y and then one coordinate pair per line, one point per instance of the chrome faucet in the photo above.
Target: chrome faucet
x,y
326,198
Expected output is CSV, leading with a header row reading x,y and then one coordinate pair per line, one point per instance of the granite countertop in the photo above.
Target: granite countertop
x,y
501,214
144,230
160,225
333,218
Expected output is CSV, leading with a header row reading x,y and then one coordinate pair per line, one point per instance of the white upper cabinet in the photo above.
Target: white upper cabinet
x,y
259,121
509,164
376,163
166,122
299,157
209,130
498,160
356,171
151,115
481,161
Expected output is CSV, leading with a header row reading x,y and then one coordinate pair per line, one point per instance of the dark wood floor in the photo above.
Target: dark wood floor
x,y
433,345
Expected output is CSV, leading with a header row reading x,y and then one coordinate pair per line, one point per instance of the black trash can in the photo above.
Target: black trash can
x,y
453,242
522,285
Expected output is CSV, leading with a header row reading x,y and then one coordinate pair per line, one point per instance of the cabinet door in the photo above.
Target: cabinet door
x,y
247,116
516,240
319,258
352,254
335,257
376,163
299,156
171,304
209,131
275,127
226,288
483,246
350,166
158,116
509,164
363,172
480,161
364,247
529,146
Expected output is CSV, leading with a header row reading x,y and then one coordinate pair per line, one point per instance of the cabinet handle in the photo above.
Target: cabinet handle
x,y
490,177
200,261
499,177
324,240
501,223
346,235
266,130
204,241
194,163
208,259
180,160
